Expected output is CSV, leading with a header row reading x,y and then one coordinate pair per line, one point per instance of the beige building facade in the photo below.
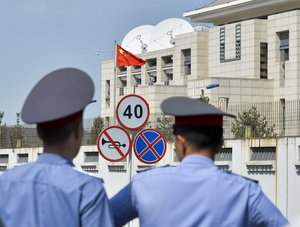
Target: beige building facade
x,y
251,51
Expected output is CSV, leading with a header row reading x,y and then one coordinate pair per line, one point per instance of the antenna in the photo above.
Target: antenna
x,y
164,33
137,40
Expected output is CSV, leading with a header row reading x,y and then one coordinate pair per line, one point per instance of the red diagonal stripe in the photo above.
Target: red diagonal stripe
x,y
113,143
150,146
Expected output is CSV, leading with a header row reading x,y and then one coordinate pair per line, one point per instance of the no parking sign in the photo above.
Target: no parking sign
x,y
150,146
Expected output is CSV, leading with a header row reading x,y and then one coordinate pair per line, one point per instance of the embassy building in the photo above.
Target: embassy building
x,y
252,53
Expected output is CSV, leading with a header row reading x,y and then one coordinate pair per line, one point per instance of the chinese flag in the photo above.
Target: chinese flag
x,y
125,58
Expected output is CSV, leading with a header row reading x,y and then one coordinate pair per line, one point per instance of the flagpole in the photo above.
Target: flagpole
x,y
115,81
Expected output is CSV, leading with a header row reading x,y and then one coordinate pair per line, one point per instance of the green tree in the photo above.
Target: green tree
x,y
204,98
97,127
165,126
251,124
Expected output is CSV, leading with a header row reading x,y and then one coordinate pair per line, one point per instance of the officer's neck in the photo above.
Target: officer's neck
x,y
66,149
206,153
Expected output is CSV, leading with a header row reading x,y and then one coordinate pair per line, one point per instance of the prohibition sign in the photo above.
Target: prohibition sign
x,y
132,112
114,143
150,146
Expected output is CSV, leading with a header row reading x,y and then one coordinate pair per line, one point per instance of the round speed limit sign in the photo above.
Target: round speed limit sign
x,y
133,112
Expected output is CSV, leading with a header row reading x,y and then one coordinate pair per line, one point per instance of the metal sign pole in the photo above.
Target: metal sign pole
x,y
130,169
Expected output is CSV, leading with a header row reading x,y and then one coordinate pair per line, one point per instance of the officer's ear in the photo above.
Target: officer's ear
x,y
181,139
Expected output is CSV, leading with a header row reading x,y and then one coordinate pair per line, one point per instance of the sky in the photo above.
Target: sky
x,y
39,36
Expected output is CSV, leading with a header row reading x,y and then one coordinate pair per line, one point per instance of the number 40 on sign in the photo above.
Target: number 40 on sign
x,y
133,112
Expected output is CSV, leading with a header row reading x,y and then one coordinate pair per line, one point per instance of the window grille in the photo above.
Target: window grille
x,y
238,42
91,157
263,154
116,168
90,169
22,158
225,154
264,61
222,44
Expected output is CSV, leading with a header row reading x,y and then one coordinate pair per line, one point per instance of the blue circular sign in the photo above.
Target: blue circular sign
x,y
150,146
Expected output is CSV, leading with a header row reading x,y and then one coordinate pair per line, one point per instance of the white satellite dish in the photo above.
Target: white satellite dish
x,y
163,34
137,40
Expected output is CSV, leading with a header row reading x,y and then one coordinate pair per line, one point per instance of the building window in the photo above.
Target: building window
x,y
3,168
136,68
284,45
222,44
116,168
263,154
137,80
263,60
223,103
90,169
122,70
4,158
123,85
167,66
225,154
237,44
167,61
107,93
187,61
151,63
22,158
152,78
91,157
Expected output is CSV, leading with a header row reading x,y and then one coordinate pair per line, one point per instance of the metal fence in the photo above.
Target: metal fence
x,y
13,136
283,116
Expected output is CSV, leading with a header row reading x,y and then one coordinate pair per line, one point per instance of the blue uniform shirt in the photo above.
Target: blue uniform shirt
x,y
195,193
50,192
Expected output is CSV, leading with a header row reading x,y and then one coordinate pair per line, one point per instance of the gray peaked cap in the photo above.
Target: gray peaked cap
x,y
59,94
184,106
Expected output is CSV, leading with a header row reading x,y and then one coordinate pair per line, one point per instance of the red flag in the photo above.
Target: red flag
x,y
125,58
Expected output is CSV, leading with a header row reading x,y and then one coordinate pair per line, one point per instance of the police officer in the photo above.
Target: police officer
x,y
51,192
196,192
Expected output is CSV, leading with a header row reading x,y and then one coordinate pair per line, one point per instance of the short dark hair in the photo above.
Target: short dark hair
x,y
53,136
202,137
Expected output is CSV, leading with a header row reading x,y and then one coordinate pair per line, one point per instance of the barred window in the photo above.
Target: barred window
x,y
225,154
238,42
22,158
91,157
3,168
90,169
3,158
116,168
263,153
222,44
